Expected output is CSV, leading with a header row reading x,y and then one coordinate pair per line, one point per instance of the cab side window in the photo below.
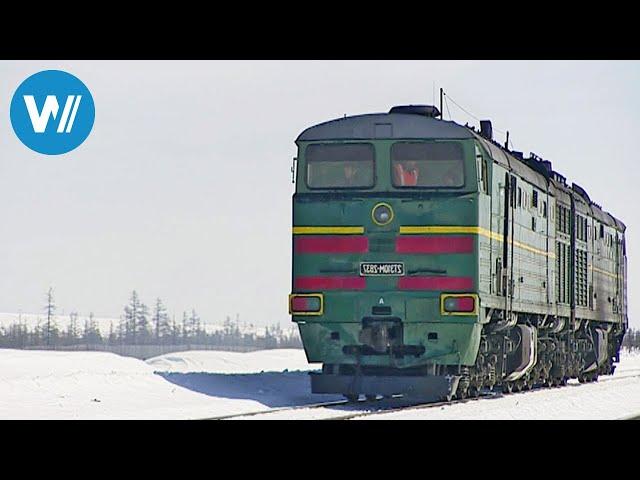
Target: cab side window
x,y
483,171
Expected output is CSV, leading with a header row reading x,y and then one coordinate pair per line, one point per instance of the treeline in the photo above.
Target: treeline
x,y
631,339
140,325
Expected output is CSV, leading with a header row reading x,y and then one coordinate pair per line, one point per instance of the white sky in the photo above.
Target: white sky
x,y
151,200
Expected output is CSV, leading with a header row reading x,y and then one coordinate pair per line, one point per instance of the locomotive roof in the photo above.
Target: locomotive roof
x,y
560,191
411,126
384,125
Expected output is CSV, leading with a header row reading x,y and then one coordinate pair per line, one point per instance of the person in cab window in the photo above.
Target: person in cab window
x,y
452,177
351,175
406,173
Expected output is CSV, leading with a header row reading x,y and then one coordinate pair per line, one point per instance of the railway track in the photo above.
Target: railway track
x,y
489,396
312,406
347,410
629,372
351,409
418,406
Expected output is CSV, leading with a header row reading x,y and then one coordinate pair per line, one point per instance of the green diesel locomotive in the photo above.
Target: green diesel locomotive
x,y
429,260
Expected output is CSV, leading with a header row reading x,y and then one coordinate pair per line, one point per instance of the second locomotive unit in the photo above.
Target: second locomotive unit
x,y
430,260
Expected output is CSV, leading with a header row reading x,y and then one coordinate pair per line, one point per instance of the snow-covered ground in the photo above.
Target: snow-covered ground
x,y
280,360
96,385
199,384
612,397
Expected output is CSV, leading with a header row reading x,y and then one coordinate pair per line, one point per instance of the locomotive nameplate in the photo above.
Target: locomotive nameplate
x,y
382,268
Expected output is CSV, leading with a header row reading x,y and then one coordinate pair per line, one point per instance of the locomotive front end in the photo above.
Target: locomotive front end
x,y
385,254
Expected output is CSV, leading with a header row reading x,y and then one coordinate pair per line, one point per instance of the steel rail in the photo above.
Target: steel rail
x,y
383,408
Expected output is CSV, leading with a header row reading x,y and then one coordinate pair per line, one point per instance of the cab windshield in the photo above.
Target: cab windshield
x,y
340,165
431,165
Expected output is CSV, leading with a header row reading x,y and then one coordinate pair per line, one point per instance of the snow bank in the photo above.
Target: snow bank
x,y
199,384
211,361
273,378
97,385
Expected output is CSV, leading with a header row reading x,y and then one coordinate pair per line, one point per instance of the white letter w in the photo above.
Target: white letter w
x,y
50,108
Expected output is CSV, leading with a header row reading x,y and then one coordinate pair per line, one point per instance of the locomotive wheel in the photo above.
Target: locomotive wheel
x,y
517,386
507,387
474,392
563,381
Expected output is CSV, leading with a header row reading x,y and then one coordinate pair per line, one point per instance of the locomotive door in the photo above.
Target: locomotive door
x,y
504,265
616,300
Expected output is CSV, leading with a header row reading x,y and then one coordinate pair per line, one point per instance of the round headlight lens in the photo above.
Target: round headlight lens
x,y
460,303
450,304
382,214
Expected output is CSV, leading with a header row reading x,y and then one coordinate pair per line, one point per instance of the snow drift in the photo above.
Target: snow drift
x,y
199,384
97,385
231,362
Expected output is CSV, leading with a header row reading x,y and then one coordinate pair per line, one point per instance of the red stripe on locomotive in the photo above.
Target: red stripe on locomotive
x,y
329,283
435,283
331,244
434,244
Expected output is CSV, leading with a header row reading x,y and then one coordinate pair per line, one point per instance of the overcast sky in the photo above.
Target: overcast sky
x,y
183,189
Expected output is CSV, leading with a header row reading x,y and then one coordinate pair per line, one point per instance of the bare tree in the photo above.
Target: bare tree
x,y
50,309
72,330
136,322
161,321
92,333
185,327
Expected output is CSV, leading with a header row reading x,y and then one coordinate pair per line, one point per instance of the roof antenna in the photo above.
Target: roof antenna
x,y
433,92
506,144
441,110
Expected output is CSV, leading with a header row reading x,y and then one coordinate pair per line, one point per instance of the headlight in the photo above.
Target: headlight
x,y
382,214
459,304
306,304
